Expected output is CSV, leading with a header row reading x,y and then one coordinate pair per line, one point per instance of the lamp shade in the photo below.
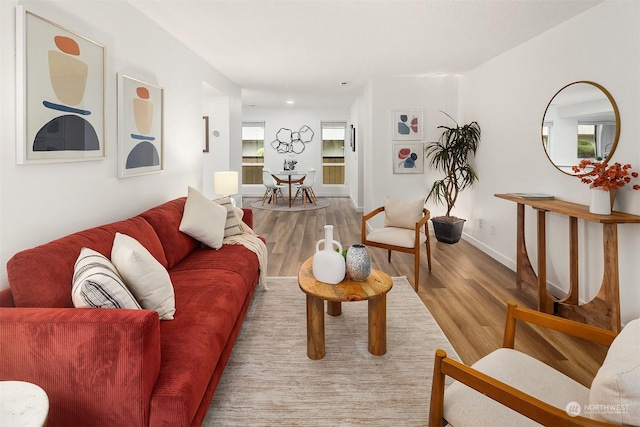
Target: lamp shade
x,y
225,183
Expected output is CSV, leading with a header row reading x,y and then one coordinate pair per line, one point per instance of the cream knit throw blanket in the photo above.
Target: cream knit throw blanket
x,y
250,240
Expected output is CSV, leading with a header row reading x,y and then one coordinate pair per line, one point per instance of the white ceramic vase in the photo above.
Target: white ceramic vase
x,y
328,265
601,201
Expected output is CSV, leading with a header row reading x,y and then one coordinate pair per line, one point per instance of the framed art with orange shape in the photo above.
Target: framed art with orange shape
x,y
60,77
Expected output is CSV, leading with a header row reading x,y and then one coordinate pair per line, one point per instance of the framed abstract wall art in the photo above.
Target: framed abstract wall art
x,y
408,157
407,125
140,139
352,137
60,78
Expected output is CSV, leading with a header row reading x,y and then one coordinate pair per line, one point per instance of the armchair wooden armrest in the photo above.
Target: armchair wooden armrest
x,y
549,321
513,398
370,215
505,394
424,220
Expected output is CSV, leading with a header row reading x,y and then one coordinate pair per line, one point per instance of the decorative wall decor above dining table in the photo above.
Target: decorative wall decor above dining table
x,y
288,141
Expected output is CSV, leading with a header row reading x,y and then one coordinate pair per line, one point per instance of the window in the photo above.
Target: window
x,y
546,131
595,139
586,141
333,138
252,152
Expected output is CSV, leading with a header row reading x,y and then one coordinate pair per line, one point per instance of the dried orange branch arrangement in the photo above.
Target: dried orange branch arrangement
x,y
609,177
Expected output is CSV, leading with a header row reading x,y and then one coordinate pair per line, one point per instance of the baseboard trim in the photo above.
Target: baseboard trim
x,y
555,290
511,264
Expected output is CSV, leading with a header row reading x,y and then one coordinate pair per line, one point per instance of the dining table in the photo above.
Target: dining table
x,y
300,176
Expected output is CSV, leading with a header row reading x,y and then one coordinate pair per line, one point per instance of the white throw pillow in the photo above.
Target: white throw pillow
x,y
402,214
147,279
97,284
203,219
231,226
615,391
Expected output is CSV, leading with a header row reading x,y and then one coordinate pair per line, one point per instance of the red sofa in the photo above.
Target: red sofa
x,y
118,367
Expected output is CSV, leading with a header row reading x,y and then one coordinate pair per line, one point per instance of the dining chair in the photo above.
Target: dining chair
x,y
272,190
305,188
404,222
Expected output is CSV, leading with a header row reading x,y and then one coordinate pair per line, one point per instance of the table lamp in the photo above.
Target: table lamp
x,y
225,183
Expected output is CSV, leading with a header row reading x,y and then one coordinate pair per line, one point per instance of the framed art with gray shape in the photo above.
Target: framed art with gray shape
x,y
407,125
140,140
60,78
408,157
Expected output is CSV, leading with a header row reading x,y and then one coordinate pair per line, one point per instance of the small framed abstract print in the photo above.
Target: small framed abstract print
x,y
140,139
408,157
407,125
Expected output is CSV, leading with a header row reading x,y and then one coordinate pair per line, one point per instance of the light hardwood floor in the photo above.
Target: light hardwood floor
x,y
466,291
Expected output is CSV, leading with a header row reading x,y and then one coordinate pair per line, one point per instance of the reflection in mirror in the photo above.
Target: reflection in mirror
x,y
580,122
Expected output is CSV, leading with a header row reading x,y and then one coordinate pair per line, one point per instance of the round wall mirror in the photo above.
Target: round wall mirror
x,y
581,122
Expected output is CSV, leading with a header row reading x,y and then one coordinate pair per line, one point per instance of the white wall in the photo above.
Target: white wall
x,y
508,96
354,159
382,97
44,201
216,107
294,119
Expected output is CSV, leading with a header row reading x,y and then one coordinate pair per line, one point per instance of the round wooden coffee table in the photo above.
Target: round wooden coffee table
x,y
374,290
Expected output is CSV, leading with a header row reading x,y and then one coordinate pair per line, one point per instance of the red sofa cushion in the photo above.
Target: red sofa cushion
x,y
165,219
232,258
42,276
208,303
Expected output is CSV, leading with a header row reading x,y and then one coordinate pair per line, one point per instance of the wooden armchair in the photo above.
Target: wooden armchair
x,y
394,238
507,387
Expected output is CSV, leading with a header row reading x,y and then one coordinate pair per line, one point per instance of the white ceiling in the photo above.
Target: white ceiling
x,y
302,50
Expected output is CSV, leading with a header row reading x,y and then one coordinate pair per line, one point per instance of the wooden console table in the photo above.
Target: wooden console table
x,y
604,309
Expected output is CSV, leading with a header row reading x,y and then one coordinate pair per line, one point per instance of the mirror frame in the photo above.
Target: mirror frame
x,y
615,111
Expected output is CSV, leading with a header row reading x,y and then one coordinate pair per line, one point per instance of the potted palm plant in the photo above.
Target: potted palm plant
x,y
450,155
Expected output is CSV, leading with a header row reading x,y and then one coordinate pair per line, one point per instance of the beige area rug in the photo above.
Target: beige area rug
x,y
297,206
270,381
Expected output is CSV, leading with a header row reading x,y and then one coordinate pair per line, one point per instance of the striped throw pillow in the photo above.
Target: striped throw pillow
x,y
231,227
97,283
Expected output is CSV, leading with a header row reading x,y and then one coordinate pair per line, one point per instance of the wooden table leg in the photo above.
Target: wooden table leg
x,y
315,328
604,309
290,204
611,281
378,325
545,304
334,308
572,295
522,257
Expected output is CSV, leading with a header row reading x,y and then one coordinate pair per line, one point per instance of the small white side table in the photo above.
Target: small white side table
x,y
23,404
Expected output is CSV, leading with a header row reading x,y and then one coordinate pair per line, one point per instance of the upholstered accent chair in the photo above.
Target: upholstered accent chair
x,y
272,188
305,188
405,230
510,388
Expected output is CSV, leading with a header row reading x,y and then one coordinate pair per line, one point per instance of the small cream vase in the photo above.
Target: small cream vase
x,y
328,265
